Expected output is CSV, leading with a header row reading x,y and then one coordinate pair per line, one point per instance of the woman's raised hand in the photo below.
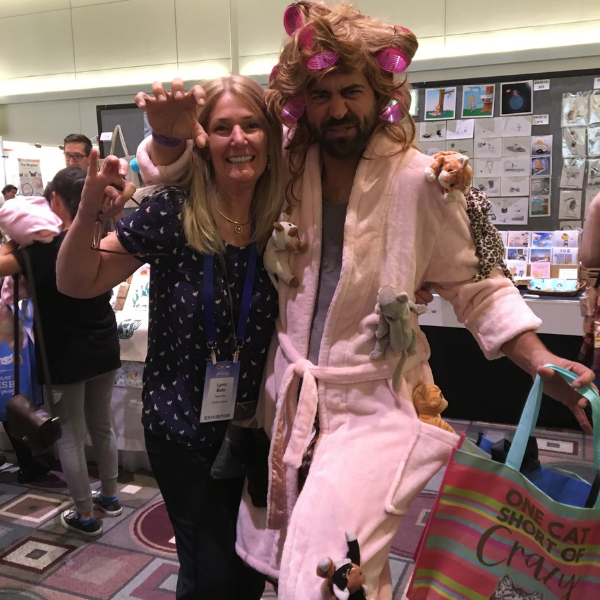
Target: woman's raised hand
x,y
175,114
105,192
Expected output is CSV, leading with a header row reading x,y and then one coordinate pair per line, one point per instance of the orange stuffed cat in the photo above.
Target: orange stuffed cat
x,y
430,402
453,173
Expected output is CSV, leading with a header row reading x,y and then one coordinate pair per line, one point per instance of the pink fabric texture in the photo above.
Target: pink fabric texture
x,y
373,455
160,174
25,220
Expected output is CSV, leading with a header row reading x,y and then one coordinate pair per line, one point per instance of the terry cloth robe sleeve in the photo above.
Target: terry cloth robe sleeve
x,y
162,174
493,309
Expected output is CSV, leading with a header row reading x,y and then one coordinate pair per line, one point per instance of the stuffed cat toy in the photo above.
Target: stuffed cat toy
x,y
394,329
346,578
507,590
430,403
283,241
453,172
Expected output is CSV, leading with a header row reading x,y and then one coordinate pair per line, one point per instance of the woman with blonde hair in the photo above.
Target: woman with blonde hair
x,y
212,312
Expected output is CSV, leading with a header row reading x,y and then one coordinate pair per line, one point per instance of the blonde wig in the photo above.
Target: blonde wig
x,y
357,39
200,214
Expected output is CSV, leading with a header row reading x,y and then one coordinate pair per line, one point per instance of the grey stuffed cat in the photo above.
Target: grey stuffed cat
x,y
507,590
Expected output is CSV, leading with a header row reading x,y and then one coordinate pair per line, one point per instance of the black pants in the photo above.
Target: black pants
x,y
203,512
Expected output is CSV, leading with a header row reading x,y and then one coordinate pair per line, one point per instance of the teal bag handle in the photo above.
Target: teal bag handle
x,y
531,412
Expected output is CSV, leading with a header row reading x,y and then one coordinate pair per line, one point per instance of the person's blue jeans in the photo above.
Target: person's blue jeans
x,y
203,512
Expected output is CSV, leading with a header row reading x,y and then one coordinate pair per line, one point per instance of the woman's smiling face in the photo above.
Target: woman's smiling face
x,y
237,142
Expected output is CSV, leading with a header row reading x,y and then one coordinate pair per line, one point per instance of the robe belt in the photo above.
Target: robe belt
x,y
308,401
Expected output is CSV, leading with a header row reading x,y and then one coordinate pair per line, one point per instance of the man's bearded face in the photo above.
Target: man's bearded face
x,y
341,112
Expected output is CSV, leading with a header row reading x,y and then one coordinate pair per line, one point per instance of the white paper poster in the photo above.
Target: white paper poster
x,y
515,186
488,128
514,146
487,168
509,211
432,132
488,147
517,126
462,146
460,129
30,177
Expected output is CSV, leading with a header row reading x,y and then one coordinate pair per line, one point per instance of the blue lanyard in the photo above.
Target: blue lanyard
x,y
209,302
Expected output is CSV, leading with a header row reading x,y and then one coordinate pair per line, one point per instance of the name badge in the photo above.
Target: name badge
x,y
220,391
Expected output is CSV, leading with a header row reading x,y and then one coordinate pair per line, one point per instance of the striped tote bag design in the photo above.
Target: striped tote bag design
x,y
492,535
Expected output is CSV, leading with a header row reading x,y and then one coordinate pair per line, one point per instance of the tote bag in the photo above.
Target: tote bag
x,y
493,535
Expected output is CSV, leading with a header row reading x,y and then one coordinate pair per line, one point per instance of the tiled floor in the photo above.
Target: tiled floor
x,y
135,559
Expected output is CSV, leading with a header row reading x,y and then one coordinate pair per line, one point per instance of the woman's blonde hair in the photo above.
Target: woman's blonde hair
x,y
357,39
200,213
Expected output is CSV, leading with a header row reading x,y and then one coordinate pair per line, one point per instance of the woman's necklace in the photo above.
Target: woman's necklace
x,y
239,227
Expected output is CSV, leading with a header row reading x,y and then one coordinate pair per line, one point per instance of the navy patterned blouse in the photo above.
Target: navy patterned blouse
x,y
177,346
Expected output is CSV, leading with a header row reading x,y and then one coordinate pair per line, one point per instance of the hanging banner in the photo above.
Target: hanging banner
x,y
30,177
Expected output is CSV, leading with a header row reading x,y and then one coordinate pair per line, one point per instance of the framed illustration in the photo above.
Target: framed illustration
x,y
440,103
516,98
541,145
570,204
478,101
541,166
514,146
462,146
539,206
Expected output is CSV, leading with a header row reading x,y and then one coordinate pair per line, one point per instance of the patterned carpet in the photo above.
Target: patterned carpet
x,y
135,559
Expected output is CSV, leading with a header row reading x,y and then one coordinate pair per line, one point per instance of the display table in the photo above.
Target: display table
x,y
495,391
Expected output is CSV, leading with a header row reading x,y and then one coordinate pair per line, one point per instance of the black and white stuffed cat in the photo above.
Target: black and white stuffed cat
x,y
507,590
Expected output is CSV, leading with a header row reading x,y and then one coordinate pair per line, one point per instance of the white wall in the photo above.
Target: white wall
x,y
66,56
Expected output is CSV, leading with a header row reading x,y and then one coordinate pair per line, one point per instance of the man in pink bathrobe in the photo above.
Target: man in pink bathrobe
x,y
360,199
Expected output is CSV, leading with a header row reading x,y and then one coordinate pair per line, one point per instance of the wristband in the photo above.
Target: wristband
x,y
166,141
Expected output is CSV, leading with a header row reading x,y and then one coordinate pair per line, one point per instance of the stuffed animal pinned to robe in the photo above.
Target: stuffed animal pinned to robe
x,y
346,578
394,328
453,173
284,241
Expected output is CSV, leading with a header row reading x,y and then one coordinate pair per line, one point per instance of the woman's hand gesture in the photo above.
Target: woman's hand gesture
x,y
105,192
175,114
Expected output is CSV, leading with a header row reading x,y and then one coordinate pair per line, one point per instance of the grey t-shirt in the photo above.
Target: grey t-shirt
x,y
332,250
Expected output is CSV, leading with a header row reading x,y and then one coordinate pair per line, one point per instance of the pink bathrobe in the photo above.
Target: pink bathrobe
x,y
373,455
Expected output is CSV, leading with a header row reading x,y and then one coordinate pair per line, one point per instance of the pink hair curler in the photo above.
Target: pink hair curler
x,y
392,113
293,110
292,19
320,60
273,74
393,60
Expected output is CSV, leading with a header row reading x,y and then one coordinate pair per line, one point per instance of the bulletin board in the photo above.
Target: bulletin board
x,y
503,124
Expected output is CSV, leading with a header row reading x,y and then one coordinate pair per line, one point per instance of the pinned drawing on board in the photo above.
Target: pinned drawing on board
x,y
539,206
517,98
478,101
440,103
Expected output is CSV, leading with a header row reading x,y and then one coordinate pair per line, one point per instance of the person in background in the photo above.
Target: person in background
x,y
211,301
589,255
77,150
83,354
8,193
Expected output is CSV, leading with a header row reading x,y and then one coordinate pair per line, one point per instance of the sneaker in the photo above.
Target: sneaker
x,y
70,520
110,509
